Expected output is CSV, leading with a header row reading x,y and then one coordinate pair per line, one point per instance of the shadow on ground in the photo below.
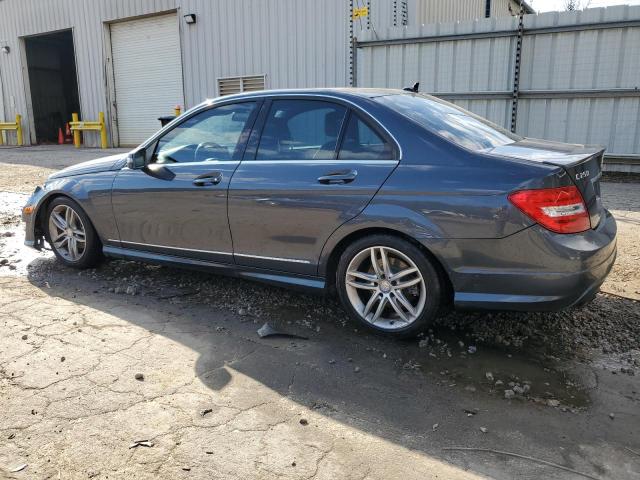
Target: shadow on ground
x,y
423,396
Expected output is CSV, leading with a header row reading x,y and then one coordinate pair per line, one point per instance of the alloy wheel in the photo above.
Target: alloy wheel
x,y
67,233
385,287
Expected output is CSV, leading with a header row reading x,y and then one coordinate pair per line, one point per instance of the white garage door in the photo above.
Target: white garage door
x,y
147,70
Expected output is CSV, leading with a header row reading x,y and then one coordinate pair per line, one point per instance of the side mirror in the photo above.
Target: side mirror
x,y
136,160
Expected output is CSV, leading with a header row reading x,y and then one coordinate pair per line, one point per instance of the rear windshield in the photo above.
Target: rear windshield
x,y
450,121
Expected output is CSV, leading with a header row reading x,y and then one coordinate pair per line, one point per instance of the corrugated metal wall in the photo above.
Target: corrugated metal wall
x,y
20,18
580,85
296,43
435,11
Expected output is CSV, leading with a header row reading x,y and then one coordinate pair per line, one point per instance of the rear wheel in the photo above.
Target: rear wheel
x,y
389,285
71,235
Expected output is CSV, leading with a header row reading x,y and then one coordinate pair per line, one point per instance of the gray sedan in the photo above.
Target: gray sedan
x,y
399,202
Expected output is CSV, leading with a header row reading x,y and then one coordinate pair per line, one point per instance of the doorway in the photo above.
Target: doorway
x,y
53,82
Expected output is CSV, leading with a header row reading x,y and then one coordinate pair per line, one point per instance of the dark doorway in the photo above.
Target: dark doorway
x,y
53,82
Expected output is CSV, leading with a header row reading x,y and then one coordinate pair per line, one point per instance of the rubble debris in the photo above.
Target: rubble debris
x,y
141,443
267,330
139,377
19,468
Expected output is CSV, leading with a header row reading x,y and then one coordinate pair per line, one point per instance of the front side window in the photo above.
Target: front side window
x,y
361,142
450,121
210,135
301,129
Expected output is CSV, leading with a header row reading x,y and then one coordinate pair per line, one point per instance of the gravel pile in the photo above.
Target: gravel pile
x,y
609,323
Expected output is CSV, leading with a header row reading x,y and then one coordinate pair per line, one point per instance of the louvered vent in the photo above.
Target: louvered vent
x,y
231,85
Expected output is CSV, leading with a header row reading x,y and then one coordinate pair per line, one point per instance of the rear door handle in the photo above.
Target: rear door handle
x,y
211,178
338,178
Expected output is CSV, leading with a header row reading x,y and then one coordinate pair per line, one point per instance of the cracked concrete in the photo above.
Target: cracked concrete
x,y
76,418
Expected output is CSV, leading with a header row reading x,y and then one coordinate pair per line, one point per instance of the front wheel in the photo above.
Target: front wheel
x,y
389,285
71,234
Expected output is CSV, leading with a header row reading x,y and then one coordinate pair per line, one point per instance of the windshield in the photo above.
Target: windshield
x,y
450,121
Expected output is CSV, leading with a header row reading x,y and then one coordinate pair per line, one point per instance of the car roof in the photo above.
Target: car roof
x,y
345,93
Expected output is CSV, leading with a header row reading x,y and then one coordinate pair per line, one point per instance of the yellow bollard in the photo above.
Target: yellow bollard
x,y
103,130
176,110
76,133
19,128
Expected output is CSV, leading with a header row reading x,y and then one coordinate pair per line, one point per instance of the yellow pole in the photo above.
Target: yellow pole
x,y
1,135
103,130
176,110
19,129
76,133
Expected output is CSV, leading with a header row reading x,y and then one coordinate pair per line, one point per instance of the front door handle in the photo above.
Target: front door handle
x,y
338,178
211,178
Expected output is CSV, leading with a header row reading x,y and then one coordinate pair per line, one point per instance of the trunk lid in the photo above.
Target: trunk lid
x,y
583,164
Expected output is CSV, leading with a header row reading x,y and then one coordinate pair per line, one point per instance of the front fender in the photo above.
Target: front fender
x,y
91,192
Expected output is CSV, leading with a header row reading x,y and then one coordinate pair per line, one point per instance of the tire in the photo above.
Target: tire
x,y
420,289
88,252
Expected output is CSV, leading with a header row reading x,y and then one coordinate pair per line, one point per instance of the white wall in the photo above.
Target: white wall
x,y
296,43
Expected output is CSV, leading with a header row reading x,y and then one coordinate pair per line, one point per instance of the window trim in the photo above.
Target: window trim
x,y
253,143
238,153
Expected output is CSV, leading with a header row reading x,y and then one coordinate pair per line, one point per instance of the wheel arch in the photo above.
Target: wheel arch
x,y
41,213
330,266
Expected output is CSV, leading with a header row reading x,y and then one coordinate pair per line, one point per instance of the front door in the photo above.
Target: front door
x,y
315,166
177,203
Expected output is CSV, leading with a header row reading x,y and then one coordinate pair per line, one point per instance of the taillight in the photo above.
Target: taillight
x,y
561,210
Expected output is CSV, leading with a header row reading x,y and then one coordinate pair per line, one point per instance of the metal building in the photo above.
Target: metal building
x,y
135,61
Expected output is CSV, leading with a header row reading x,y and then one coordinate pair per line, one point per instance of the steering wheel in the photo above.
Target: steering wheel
x,y
219,152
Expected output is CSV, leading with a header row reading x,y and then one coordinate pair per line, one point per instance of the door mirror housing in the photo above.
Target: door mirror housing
x,y
136,159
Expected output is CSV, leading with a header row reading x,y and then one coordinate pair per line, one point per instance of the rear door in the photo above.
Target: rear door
x,y
295,185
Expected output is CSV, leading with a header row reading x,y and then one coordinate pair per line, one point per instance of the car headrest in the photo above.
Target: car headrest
x,y
332,123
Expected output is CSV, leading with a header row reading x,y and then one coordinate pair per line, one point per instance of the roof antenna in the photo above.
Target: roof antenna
x,y
413,89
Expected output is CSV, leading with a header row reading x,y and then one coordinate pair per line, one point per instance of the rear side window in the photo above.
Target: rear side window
x,y
450,121
361,142
301,129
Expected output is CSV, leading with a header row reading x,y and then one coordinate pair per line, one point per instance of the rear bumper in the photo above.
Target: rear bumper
x,y
532,270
